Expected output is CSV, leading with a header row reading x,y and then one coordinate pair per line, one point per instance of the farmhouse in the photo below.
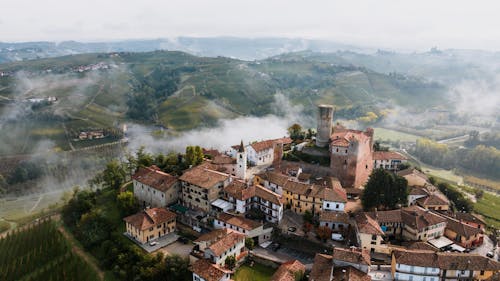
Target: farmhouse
x,y
150,224
154,188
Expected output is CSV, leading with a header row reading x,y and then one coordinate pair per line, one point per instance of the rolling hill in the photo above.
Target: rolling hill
x,y
180,91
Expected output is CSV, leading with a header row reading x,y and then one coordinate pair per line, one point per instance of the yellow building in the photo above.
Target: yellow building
x,y
150,224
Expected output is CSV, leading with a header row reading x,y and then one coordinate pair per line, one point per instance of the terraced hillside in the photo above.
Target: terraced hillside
x,y
179,91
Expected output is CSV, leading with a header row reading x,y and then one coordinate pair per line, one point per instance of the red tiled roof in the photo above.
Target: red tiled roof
x,y
322,268
390,216
443,260
432,200
223,159
268,195
332,216
350,273
226,242
154,177
352,255
287,271
368,225
203,177
419,218
238,221
207,270
239,190
274,177
331,194
262,145
461,228
388,155
150,218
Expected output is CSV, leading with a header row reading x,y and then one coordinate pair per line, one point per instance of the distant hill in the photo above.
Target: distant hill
x,y
180,91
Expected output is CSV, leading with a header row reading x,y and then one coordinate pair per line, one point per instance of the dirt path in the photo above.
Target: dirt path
x,y
77,250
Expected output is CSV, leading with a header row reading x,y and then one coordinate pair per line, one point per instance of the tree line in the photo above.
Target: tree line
x,y
480,159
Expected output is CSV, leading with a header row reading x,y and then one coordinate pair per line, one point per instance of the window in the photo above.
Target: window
x,y
336,206
374,237
328,205
482,272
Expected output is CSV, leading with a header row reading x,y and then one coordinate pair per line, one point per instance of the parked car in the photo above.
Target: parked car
x,y
490,254
292,229
275,246
337,237
153,243
183,240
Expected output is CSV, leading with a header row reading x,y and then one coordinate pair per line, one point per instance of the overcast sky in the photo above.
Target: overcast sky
x,y
397,24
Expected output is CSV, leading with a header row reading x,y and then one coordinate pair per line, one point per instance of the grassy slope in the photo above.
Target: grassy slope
x,y
217,88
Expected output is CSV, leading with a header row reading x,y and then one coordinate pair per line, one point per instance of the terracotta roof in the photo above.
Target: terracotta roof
x,y
223,159
238,221
443,260
391,216
203,177
154,177
226,242
422,246
388,155
274,177
333,182
304,176
432,200
352,255
332,216
419,218
322,268
214,235
350,273
268,195
461,228
207,270
343,137
239,190
412,171
468,217
262,145
368,225
418,190
285,140
297,187
330,194
287,271
149,218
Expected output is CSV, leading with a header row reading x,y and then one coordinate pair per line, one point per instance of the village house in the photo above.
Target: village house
x,y
354,257
336,221
390,222
414,177
201,186
203,270
351,154
245,196
250,228
388,160
288,271
420,224
344,264
434,266
434,201
369,234
150,224
470,219
463,234
262,152
154,188
415,193
219,244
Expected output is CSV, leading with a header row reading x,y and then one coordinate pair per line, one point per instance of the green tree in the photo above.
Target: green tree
x,y
194,155
308,216
249,243
324,233
127,203
230,262
93,228
144,159
81,202
295,132
113,176
384,190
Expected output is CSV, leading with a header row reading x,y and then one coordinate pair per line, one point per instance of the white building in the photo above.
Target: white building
x,y
203,270
217,245
250,228
154,188
388,160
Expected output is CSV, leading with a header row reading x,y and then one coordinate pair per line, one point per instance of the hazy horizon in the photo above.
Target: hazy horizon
x,y
388,24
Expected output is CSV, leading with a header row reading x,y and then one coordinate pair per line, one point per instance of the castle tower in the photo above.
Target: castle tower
x,y
241,162
325,120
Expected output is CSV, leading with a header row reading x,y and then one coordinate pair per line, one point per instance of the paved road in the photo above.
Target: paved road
x,y
485,248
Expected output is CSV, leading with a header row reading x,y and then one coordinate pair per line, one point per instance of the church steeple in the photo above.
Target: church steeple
x,y
242,147
241,162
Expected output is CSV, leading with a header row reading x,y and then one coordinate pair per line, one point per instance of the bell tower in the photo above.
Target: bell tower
x,y
241,162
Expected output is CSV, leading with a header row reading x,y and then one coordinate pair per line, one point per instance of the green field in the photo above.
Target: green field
x,y
257,272
393,135
489,207
41,252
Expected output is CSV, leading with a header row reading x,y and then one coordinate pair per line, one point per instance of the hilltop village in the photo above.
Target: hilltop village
x,y
241,203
